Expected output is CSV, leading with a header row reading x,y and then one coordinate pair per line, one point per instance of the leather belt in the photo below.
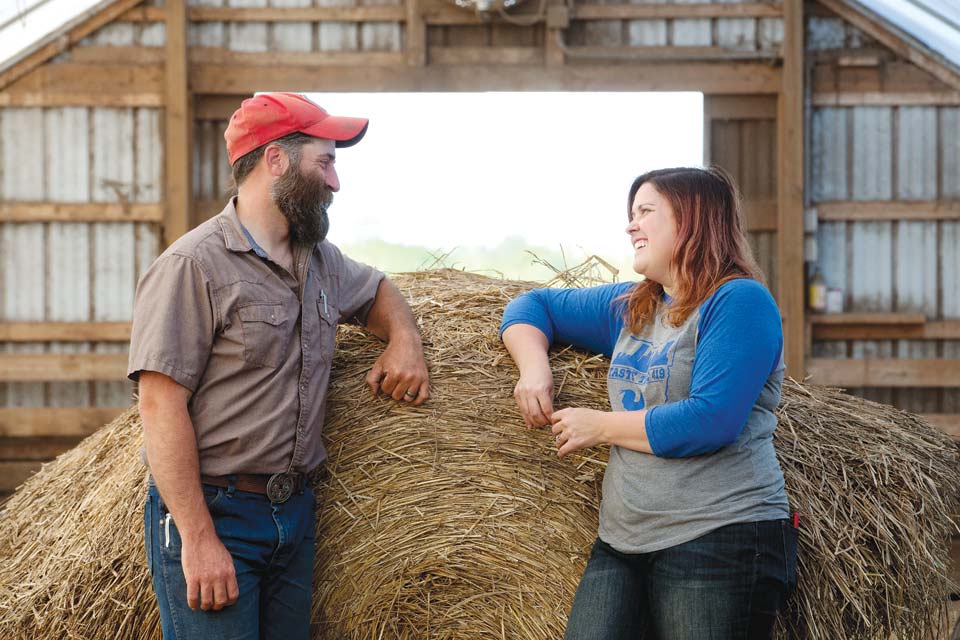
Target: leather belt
x,y
277,487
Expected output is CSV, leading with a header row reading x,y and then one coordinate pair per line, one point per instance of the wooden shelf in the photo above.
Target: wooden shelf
x,y
64,332
867,318
32,422
882,326
884,372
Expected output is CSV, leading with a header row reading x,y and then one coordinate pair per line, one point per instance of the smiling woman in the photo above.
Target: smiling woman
x,y
694,536
472,170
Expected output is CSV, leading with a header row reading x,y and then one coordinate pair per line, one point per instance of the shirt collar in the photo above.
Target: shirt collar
x,y
234,236
257,249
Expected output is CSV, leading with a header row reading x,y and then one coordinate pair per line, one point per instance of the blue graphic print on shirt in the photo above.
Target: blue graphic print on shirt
x,y
646,364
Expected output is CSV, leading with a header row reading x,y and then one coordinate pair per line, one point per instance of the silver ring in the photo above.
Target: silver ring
x,y
409,395
558,437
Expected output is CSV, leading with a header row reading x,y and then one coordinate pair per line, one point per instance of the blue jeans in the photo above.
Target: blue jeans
x,y
728,584
272,549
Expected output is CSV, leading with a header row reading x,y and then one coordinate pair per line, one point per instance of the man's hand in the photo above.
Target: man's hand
x,y
211,577
401,371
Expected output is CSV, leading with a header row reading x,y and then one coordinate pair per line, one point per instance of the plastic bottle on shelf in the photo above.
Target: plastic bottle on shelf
x,y
817,294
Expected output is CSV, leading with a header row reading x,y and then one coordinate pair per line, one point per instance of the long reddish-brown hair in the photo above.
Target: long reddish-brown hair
x,y
711,248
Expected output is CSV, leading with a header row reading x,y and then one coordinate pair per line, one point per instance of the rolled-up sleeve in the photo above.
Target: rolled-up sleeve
x,y
174,321
358,285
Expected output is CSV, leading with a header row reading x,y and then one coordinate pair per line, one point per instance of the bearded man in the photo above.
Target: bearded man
x,y
233,335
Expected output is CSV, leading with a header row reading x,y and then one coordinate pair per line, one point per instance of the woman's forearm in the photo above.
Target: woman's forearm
x,y
528,347
627,429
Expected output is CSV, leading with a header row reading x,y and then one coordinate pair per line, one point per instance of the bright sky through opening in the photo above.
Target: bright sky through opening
x,y
471,169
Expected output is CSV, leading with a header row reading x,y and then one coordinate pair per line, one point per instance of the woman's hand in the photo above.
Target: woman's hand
x,y
534,395
576,428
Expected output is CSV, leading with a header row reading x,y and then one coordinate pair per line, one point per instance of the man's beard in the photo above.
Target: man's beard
x,y
303,201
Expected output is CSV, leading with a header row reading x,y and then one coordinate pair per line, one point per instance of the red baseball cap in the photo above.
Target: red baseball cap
x,y
269,116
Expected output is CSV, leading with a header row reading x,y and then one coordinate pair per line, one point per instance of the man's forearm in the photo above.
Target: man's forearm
x,y
171,446
390,316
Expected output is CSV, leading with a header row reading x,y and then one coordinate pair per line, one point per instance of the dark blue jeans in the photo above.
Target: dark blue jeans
x,y
728,584
272,548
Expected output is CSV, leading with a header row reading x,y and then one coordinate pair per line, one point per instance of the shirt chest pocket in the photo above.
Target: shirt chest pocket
x,y
267,330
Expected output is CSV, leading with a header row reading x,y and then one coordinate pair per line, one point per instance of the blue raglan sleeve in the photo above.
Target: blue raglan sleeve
x,y
589,318
739,344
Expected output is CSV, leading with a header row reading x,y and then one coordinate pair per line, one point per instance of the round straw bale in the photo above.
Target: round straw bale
x,y
451,520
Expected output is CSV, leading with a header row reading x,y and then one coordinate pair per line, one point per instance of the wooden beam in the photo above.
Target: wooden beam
x,y
144,14
117,55
80,212
65,41
887,372
790,161
666,53
216,107
94,85
743,107
486,55
415,36
60,422
894,76
62,367
881,99
949,423
729,77
384,13
388,13
896,319
273,59
178,125
936,330
13,474
675,11
885,210
896,39
64,332
55,422
761,215
557,21
42,449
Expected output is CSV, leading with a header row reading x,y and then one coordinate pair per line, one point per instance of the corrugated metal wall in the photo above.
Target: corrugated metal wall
x,y
748,35
295,37
75,271
901,154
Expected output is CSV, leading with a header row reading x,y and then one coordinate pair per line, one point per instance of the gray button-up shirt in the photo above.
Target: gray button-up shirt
x,y
253,342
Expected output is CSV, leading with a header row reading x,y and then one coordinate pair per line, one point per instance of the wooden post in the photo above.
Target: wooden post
x,y
177,121
790,158
416,35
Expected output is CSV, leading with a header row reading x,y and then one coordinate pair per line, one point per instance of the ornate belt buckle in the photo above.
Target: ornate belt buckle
x,y
280,487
